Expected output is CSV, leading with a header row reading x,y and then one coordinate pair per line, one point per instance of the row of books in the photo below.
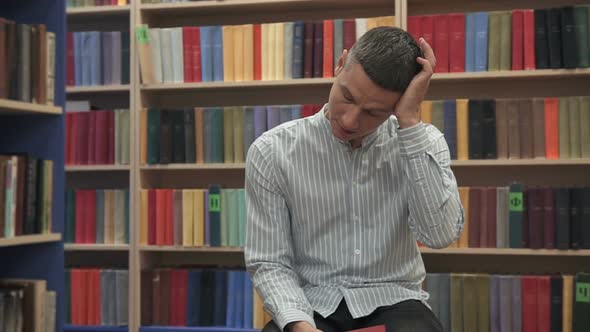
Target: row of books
x,y
212,134
193,217
268,51
27,62
97,137
545,128
97,58
97,216
527,303
26,195
96,297
93,3
518,216
200,297
27,305
506,40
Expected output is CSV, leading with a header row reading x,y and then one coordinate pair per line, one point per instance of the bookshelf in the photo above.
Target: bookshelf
x,y
136,96
39,131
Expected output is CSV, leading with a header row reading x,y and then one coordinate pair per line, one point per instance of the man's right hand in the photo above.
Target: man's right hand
x,y
301,326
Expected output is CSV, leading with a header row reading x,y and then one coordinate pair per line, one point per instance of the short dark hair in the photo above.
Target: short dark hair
x,y
388,56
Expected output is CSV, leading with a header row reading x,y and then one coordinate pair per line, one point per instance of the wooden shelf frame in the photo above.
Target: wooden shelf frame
x,y
91,89
23,240
8,106
95,247
103,12
98,168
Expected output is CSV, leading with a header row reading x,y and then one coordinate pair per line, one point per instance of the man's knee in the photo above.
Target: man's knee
x,y
271,327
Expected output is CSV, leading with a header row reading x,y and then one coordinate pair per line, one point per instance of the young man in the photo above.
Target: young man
x,y
336,201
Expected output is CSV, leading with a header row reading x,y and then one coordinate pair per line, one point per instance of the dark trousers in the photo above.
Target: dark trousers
x,y
406,316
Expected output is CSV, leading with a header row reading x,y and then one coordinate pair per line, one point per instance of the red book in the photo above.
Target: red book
x,y
75,297
161,214
257,52
349,33
182,279
101,140
441,43
195,33
549,218
552,128
414,27
91,149
187,58
82,138
169,217
428,30
152,216
306,110
544,303
70,62
535,218
517,39
328,48
91,282
378,328
491,216
80,214
529,304
90,209
83,315
111,137
475,206
174,308
457,43
97,299
69,139
529,40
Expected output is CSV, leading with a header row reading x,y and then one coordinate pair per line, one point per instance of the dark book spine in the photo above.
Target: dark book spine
x,y
541,39
30,196
125,68
554,38
581,26
568,38
189,136
308,50
562,218
450,126
165,137
178,145
549,218
489,129
576,222
556,303
318,49
535,218
516,208
475,129
586,218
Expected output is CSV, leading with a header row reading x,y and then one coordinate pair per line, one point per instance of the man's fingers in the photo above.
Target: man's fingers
x,y
426,65
428,52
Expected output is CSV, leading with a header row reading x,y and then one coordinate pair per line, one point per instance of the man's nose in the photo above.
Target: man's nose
x,y
350,119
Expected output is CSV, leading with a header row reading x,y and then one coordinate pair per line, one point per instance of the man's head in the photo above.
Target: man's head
x,y
370,79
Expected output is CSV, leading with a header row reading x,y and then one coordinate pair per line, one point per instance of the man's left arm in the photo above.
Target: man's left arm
x,y
436,213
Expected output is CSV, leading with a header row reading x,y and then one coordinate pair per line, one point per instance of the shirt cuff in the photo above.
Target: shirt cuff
x,y
292,315
413,140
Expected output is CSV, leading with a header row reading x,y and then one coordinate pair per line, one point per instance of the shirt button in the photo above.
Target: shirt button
x,y
357,252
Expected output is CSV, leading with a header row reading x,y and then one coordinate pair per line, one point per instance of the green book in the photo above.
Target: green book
x,y
516,208
505,40
581,32
242,217
153,136
575,130
228,135
232,218
584,105
564,128
438,115
224,229
238,134
581,319
494,41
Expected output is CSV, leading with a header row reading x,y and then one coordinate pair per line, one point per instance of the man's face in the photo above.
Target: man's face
x,y
357,106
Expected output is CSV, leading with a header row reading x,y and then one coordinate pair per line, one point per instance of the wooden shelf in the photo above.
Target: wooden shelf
x,y
90,89
103,12
423,7
505,252
95,247
97,168
29,239
209,12
501,84
519,162
230,250
216,166
18,107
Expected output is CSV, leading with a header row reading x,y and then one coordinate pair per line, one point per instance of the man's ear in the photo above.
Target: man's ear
x,y
341,63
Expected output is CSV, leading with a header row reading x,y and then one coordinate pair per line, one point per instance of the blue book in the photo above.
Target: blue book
x,y
249,134
239,299
231,299
470,42
450,126
481,41
220,298
298,40
248,302
295,112
95,59
273,118
217,46
78,57
106,64
214,215
206,55
193,306
259,120
284,113
99,216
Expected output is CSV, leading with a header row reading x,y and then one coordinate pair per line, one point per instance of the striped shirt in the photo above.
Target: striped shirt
x,y
326,221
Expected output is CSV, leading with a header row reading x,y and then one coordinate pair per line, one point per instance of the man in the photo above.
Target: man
x,y
336,201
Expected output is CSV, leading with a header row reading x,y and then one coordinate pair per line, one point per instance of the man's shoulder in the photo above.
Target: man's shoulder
x,y
287,133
